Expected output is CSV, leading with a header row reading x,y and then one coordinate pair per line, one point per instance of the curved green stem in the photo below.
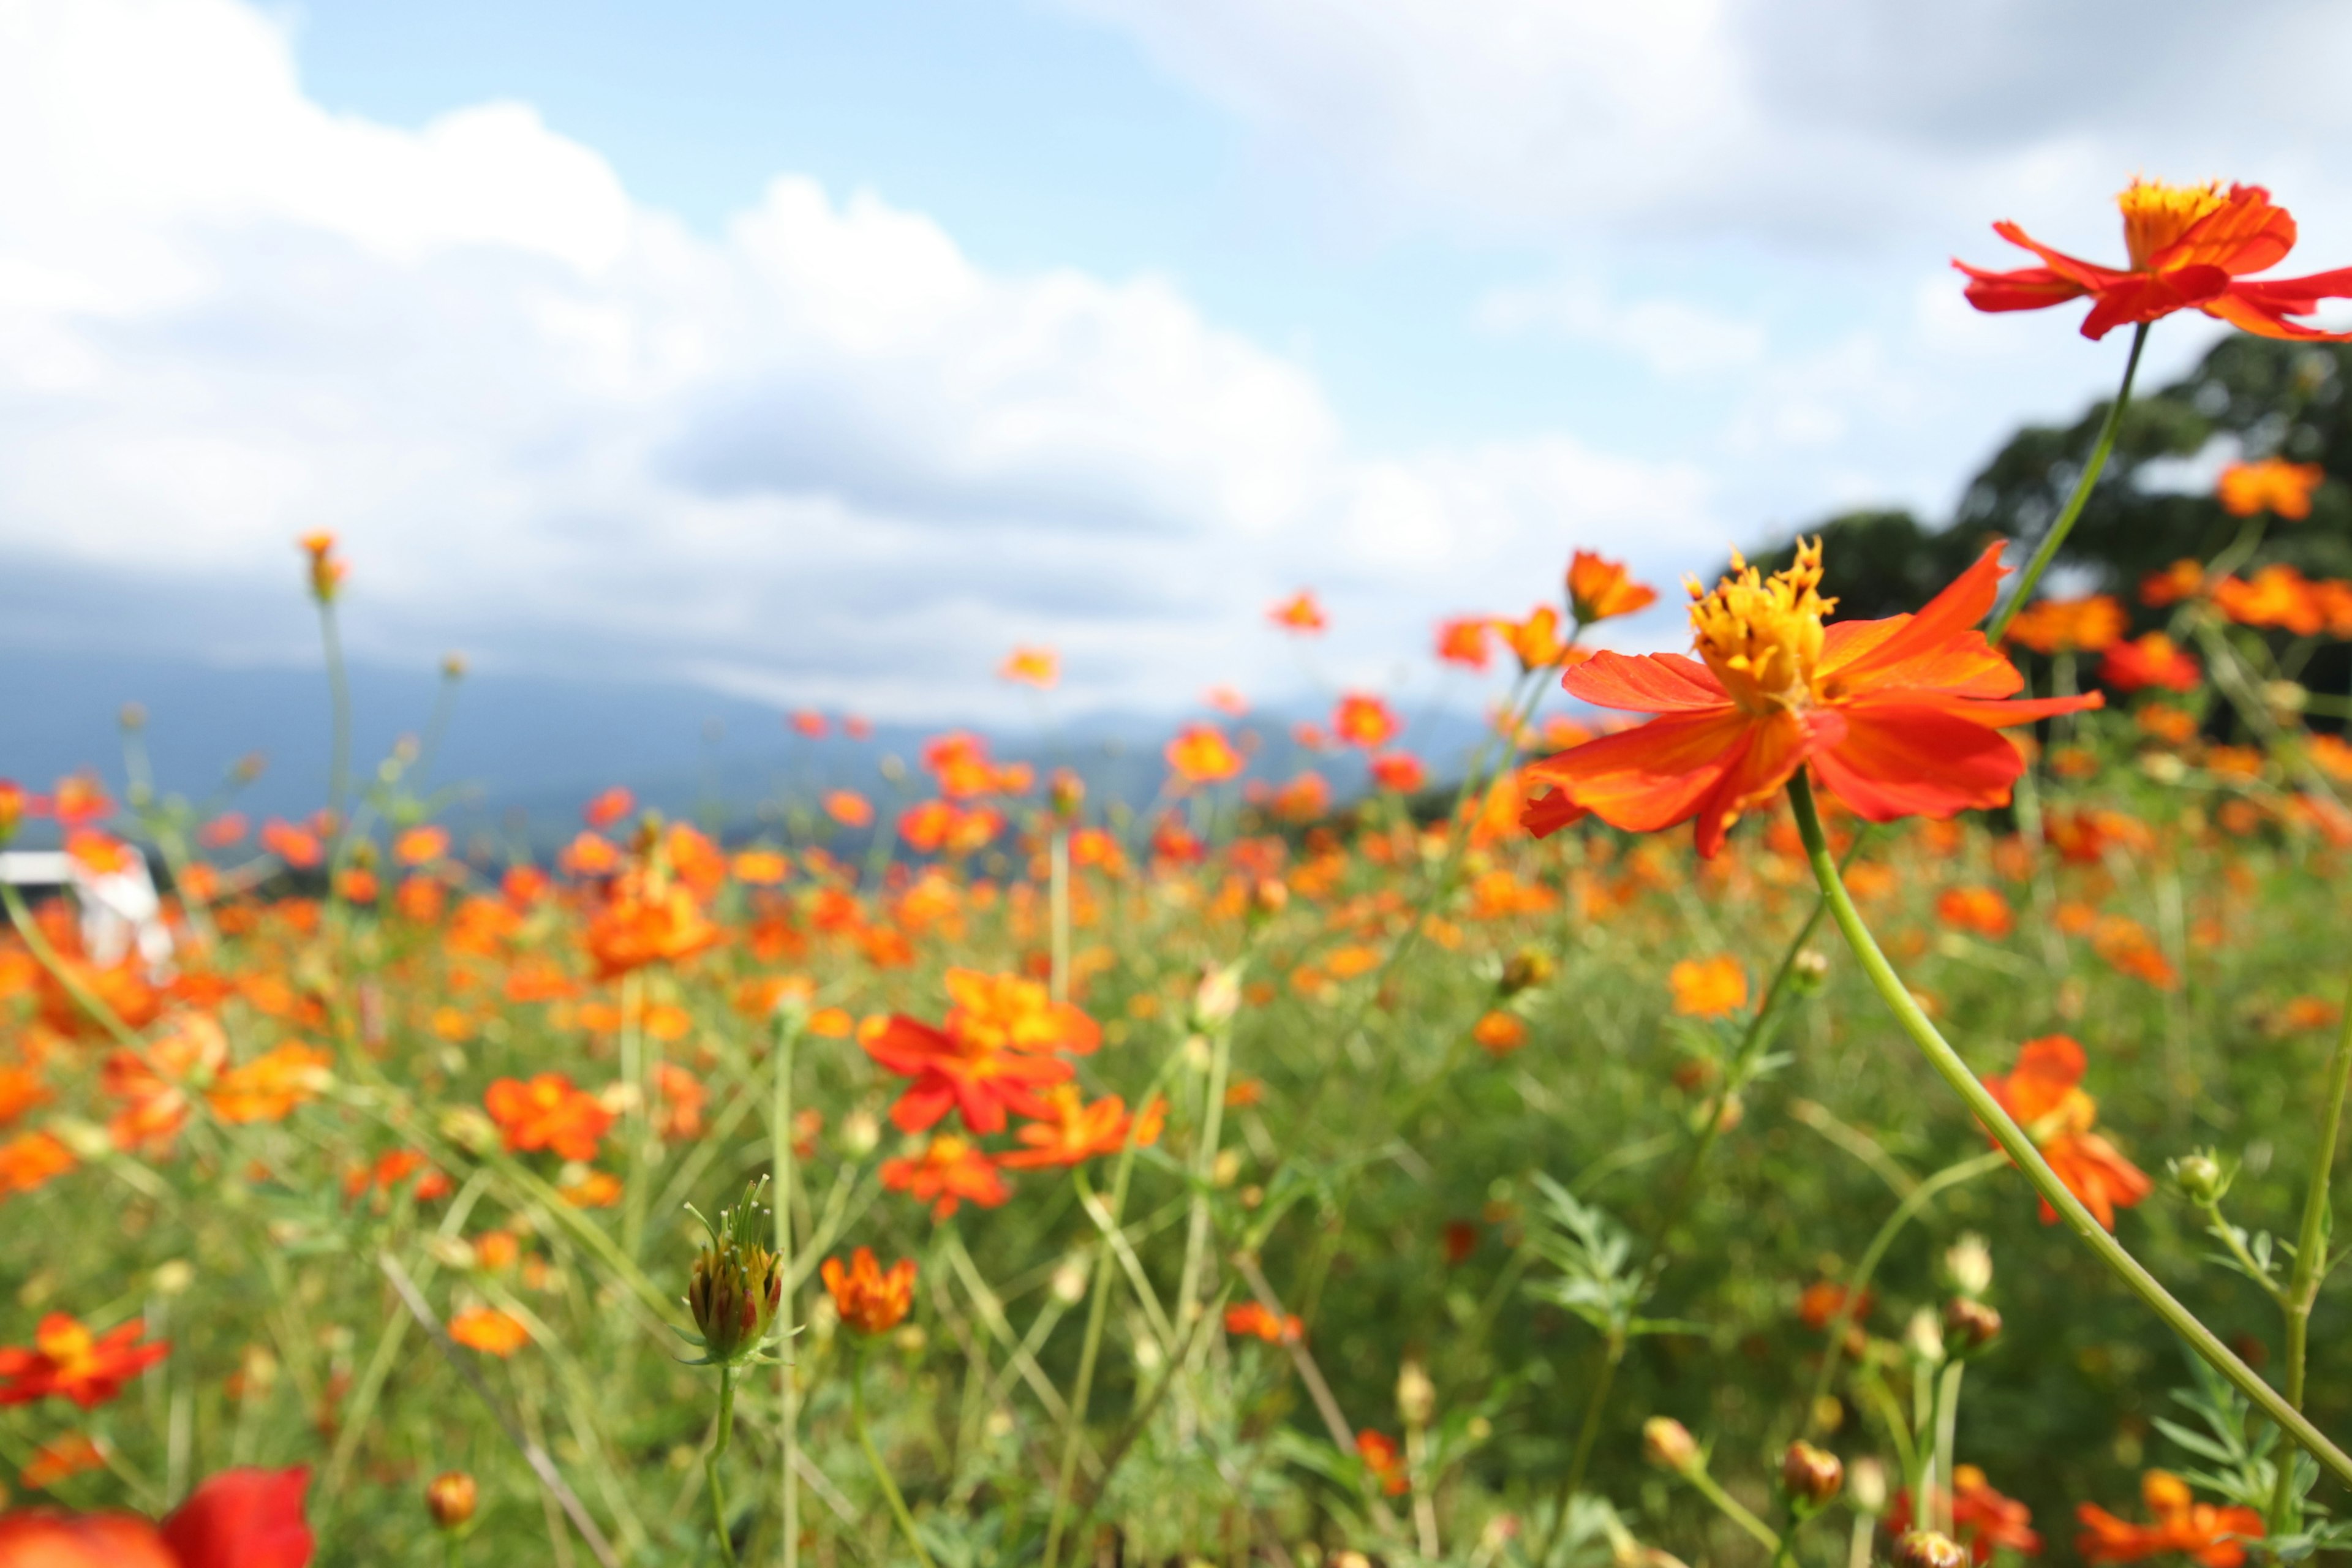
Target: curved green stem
x,y
2020,1149
2056,536
717,1455
1731,1509
1098,1310
874,1458
2310,1251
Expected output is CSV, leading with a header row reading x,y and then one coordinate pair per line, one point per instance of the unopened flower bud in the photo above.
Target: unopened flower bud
x,y
1218,997
172,1278
1970,1325
737,1283
2286,696
1268,897
133,716
1810,1476
2200,1178
1069,1281
1928,1549
1523,970
1809,971
449,1497
1416,1395
1667,1443
1067,792
1922,1337
1865,1487
861,1134
453,666
1967,1264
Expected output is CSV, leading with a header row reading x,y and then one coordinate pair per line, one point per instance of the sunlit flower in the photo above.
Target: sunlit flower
x,y
1464,640
2281,489
1304,798
2153,659
2190,247
1818,1306
759,868
99,854
2043,1094
327,568
1227,700
489,1331
1001,1043
1708,987
870,1299
1399,771
1383,1459
299,846
949,1171
1201,754
1299,613
547,1112
1037,667
1536,641
2277,595
849,808
2089,625
269,1086
1249,1318
1064,1130
1896,717
2177,1522
66,1360
1364,720
237,1518
645,920
1600,590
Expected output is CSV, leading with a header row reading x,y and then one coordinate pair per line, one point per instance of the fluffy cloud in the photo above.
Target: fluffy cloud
x,y
822,455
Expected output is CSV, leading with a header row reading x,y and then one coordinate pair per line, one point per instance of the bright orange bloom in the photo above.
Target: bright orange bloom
x,y
1600,590
589,855
2277,595
271,1086
1001,1043
1201,754
2090,625
327,569
1984,1520
31,1160
547,1112
297,847
1382,1457
760,867
61,1459
1708,987
849,808
645,920
1980,910
949,1170
1462,640
99,854
2282,489
1037,667
21,1088
1064,1129
1536,640
1364,720
68,1361
13,803
1399,771
1304,798
608,808
489,1331
2150,660
2189,245
808,723
223,830
2043,1094
2180,1523
421,845
871,1300
237,1518
1498,1033
1299,613
596,1190
1896,717
1823,1299
1249,1318
78,800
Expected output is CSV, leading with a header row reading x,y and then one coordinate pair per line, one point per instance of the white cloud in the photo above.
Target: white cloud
x,y
1673,337
823,454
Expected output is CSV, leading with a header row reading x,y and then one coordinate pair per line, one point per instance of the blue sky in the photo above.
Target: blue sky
x,y
820,353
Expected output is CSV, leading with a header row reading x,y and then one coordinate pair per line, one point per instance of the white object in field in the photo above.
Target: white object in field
x,y
119,910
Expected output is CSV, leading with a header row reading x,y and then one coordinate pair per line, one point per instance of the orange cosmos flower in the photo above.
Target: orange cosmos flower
x,y
69,1362
1536,640
237,1518
1037,667
31,1160
1381,1457
1399,771
1249,1318
297,847
1000,1042
1976,908
99,854
269,1086
78,800
2090,625
871,1300
13,802
2277,595
2189,245
2043,1094
1708,987
489,1331
2150,660
61,1459
849,808
808,723
1364,720
1896,717
327,569
1464,640
949,1170
223,830
608,808
1823,1299
547,1112
1299,613
1067,1130
21,1088
1600,590
760,867
421,845
1201,754
1498,1033
1985,1521
2281,489
2178,1523
642,921
2184,579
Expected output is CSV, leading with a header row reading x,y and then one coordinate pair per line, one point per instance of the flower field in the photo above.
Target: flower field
x,y
1924,1155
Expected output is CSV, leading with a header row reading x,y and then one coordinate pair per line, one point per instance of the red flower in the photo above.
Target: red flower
x,y
2188,244
1201,754
1380,1456
2150,660
999,1046
238,1518
2044,1096
2182,1524
1363,719
69,1361
1399,771
948,1172
547,1112
1463,641
1067,1130
1249,1318
1298,613
1985,1521
1896,717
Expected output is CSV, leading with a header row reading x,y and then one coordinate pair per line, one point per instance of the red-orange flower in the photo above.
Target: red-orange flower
x,y
2189,245
1037,667
1249,1318
547,1112
489,1331
849,808
2281,489
808,723
271,1086
62,1457
2151,661
1382,1458
645,919
2180,1523
1984,1520
1064,1129
1599,590
1399,771
2184,579
2277,595
32,1160
608,808
2043,1094
1536,640
998,1045
1463,641
1977,909
327,568
1298,613
1896,717
2090,625
1823,1299
870,1299
1364,720
949,1171
1201,754
69,1362
237,1518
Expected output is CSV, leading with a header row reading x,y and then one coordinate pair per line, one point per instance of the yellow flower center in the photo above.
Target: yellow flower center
x,y
2155,214
1762,635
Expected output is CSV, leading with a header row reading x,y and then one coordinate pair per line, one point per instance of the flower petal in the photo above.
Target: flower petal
x,y
2244,234
1649,683
1915,759
1652,777
1920,648
2143,297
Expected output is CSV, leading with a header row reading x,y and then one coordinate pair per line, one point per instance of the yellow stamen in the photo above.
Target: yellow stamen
x,y
1762,635
2155,214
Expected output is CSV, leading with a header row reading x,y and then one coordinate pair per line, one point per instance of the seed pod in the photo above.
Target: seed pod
x,y
1812,1476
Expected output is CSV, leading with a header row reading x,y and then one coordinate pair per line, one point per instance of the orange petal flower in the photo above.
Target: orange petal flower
x,y
2190,247
2180,1523
1399,771
1066,1130
871,1300
1363,719
808,723
547,1112
1249,1318
2089,625
69,1362
31,1160
849,808
1896,717
1201,754
1037,667
421,845
998,1045
2043,1094
327,569
1463,641
1381,1457
950,1170
237,1518
2150,660
60,1458
643,921
1976,908
1299,613
2281,489
2277,595
269,1086
1708,987
1536,640
1600,590
608,808
489,1331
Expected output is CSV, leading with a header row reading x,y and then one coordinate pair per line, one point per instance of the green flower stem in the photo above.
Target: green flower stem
x,y
1058,900
874,1458
1946,1461
2056,536
712,1461
1097,1309
789,1022
2027,1159
1732,1509
2311,1250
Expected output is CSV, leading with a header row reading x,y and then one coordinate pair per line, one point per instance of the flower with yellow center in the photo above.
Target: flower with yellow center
x,y
1762,635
